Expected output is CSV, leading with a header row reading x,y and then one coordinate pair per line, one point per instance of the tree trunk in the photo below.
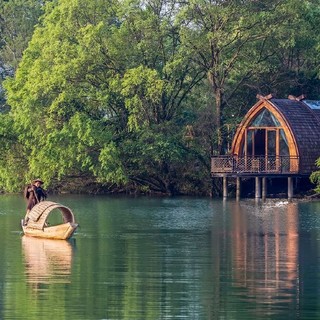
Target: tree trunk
x,y
218,94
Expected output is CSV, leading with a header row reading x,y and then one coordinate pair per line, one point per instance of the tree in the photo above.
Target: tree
x,y
236,42
315,177
94,90
155,93
106,90
17,21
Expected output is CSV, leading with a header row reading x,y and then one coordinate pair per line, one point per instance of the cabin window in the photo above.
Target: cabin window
x,y
265,119
265,137
249,144
284,148
271,147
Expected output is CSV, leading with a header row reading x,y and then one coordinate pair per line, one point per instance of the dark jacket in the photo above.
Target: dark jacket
x,y
34,195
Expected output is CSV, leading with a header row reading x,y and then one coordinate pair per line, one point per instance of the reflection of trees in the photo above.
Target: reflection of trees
x,y
47,261
151,269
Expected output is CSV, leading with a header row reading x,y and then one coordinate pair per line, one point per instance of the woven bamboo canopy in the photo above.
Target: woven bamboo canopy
x,y
40,212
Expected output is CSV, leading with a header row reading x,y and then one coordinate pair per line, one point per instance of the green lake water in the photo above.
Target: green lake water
x,y
164,258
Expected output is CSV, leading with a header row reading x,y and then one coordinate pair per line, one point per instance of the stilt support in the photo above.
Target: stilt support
x,y
238,188
290,188
264,188
258,187
225,187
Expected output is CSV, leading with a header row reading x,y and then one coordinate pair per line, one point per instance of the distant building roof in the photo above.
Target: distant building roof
x,y
314,105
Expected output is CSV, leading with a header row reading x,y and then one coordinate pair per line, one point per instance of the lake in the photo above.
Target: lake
x,y
164,258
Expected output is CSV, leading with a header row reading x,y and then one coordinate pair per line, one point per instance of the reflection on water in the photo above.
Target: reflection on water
x,y
47,261
265,250
166,258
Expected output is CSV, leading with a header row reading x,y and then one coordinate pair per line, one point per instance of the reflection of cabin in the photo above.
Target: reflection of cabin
x,y
276,138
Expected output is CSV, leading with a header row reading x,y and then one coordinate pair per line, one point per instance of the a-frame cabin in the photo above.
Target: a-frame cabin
x,y
276,138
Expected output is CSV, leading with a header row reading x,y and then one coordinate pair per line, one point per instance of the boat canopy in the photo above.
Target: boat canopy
x,y
40,212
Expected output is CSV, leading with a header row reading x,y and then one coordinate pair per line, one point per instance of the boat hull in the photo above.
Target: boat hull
x,y
59,232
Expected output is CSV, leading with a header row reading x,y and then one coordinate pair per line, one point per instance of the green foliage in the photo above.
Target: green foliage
x,y
61,88
12,161
142,90
17,21
315,177
250,47
106,89
156,159
84,87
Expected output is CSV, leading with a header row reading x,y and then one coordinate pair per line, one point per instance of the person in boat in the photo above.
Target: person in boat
x,y
34,193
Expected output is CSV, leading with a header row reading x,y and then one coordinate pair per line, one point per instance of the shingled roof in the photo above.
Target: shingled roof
x,y
276,138
303,117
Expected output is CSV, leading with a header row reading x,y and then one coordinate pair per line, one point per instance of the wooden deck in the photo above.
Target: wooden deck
x,y
254,166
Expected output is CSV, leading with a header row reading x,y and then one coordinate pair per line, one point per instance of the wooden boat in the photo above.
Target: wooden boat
x,y
37,225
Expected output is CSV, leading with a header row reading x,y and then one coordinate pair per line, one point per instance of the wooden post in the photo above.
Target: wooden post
x,y
238,188
258,188
225,187
264,188
290,188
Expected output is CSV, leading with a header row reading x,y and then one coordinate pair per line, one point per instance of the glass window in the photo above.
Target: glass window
x,y
272,142
265,137
284,149
265,119
249,144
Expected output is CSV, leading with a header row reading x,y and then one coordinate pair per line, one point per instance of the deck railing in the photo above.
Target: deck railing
x,y
256,164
